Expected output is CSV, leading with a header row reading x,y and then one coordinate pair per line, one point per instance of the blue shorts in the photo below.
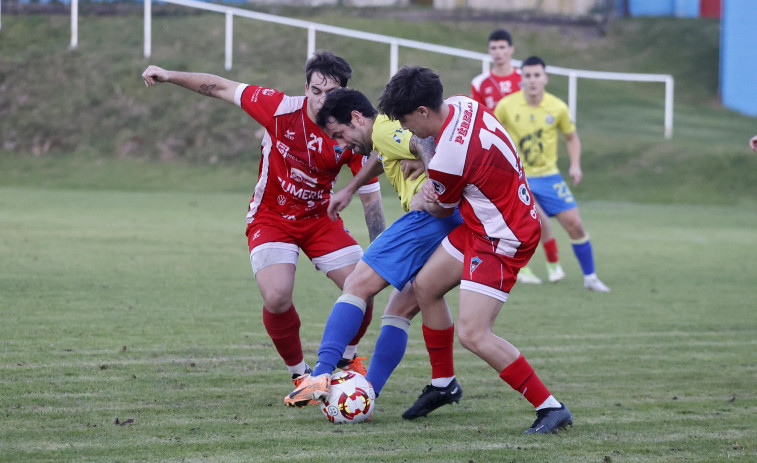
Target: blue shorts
x,y
552,194
401,250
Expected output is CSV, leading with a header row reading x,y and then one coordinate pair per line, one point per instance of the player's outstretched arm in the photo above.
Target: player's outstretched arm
x,y
204,84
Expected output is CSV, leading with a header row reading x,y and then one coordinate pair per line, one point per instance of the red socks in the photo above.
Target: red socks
x,y
284,330
521,377
439,344
550,249
364,326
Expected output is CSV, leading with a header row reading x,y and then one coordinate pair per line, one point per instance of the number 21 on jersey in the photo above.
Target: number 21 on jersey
x,y
315,140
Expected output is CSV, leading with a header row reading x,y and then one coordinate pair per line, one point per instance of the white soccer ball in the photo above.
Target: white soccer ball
x,y
352,398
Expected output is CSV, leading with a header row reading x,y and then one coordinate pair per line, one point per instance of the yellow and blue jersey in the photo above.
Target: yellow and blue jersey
x,y
534,130
393,145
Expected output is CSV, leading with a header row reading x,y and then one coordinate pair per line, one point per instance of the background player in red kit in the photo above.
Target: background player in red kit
x,y
476,167
503,78
287,212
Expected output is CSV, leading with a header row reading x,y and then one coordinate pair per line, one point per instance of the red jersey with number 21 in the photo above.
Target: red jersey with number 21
x,y
299,162
477,167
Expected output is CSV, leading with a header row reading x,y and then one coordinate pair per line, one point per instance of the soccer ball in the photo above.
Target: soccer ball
x,y
351,400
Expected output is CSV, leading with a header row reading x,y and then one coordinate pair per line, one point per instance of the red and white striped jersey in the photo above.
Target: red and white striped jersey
x,y
476,166
299,162
488,88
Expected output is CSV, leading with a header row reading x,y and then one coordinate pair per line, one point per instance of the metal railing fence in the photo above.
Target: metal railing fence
x,y
394,44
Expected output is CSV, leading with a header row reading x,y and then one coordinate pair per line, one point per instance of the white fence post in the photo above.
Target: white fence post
x,y
74,25
229,38
572,95
311,41
148,28
394,58
669,107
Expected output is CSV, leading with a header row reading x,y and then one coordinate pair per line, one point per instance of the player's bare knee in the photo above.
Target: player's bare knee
x,y
405,311
276,301
363,283
469,342
424,291
402,307
469,338
402,303
577,233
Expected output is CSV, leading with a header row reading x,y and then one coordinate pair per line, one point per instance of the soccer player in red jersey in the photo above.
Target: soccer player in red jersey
x,y
503,78
477,168
288,210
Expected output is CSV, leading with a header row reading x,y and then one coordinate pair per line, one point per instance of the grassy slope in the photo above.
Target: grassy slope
x,y
69,108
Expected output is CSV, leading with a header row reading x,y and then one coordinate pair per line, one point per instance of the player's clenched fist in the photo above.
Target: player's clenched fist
x,y
429,193
154,74
753,143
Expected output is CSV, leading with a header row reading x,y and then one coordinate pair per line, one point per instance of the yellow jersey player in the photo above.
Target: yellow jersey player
x,y
533,118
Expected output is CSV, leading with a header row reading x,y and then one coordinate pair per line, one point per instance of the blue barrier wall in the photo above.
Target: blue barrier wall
x,y
738,56
686,8
679,8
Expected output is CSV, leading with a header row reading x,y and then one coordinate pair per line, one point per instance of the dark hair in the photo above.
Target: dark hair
x,y
340,103
330,65
411,87
501,34
533,61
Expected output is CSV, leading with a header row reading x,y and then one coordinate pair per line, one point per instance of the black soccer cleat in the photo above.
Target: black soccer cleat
x,y
432,398
551,420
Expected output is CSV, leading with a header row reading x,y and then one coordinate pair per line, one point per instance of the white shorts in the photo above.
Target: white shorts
x,y
286,253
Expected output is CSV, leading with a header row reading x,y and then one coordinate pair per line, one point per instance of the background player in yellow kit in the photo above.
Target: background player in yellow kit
x,y
533,117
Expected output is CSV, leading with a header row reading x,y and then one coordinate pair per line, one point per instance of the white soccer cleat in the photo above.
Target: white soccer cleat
x,y
555,272
592,283
526,275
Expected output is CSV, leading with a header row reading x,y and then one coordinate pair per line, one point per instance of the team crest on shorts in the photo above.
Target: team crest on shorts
x,y
474,263
524,194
